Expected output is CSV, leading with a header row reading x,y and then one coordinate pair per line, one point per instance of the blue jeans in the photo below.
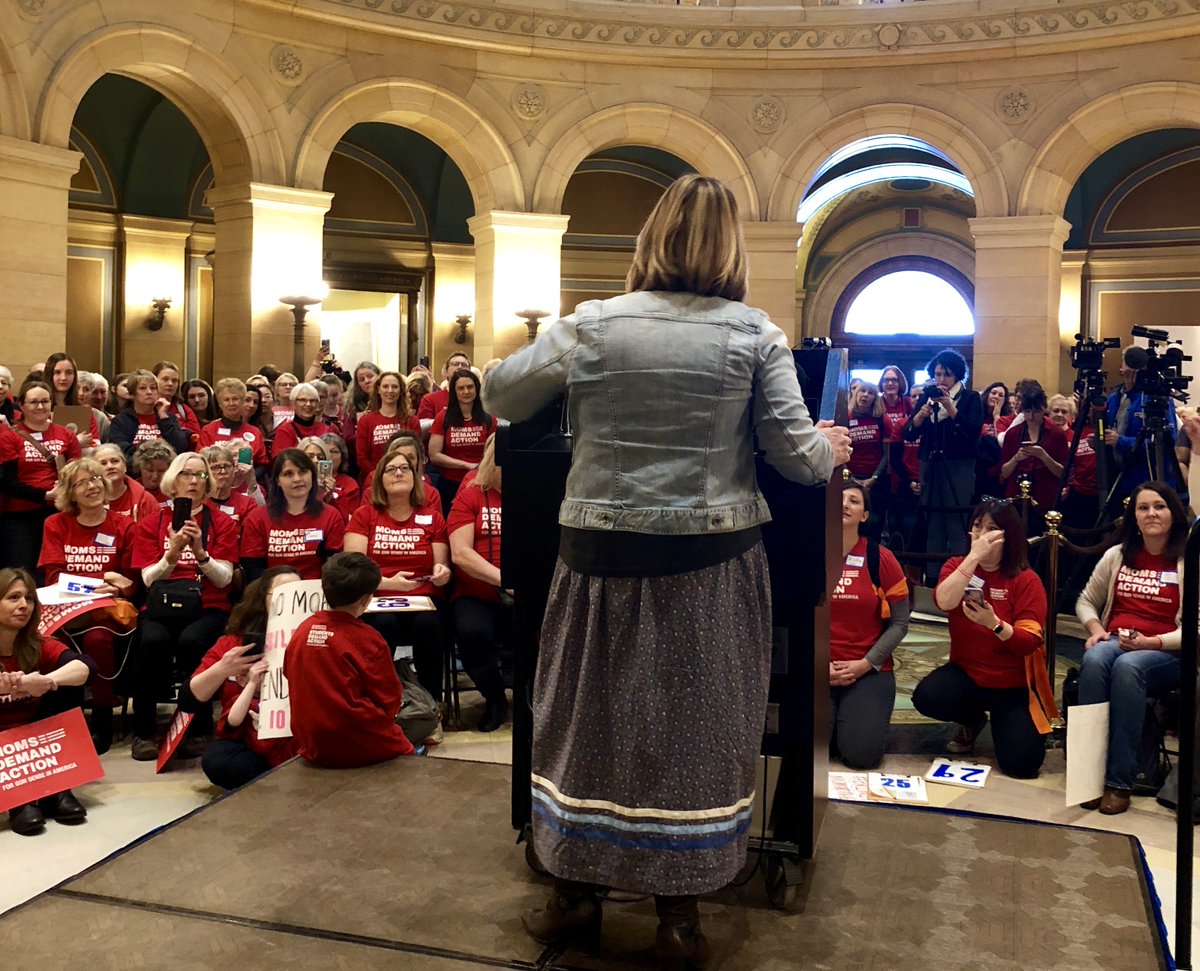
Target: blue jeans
x,y
1124,679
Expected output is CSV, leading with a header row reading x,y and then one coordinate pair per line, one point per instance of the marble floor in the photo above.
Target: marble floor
x,y
132,802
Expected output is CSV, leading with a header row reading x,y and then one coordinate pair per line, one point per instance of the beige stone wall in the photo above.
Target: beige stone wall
x,y
1022,101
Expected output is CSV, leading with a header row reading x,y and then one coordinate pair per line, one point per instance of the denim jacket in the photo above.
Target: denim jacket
x,y
666,394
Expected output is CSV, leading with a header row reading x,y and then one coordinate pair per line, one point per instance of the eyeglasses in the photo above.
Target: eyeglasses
x,y
90,480
221,467
994,501
397,470
36,403
201,476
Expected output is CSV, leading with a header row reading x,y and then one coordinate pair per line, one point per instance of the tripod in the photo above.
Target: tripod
x,y
1154,445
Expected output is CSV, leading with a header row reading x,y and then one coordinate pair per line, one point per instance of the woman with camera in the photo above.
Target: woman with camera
x,y
1034,450
997,666
1131,608
946,422
186,555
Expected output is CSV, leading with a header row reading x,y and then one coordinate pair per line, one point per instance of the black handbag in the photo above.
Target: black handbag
x,y
178,601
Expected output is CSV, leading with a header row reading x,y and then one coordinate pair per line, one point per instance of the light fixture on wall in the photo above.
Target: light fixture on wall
x,y
161,305
461,322
299,306
532,319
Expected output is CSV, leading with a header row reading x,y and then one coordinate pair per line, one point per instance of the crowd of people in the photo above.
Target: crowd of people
x,y
184,505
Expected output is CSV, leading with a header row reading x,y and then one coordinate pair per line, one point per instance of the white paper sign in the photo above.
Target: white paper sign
x,y
848,786
70,585
896,788
55,597
399,604
969,775
291,604
1087,752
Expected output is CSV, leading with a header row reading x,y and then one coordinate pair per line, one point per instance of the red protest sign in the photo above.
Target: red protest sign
x,y
45,757
171,741
56,616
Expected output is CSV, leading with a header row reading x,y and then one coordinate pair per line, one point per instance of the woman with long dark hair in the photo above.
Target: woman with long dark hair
x,y
1132,609
63,377
39,677
233,671
997,666
661,570
1034,450
198,395
295,528
459,433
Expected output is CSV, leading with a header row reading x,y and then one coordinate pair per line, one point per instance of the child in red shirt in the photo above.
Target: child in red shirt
x,y
344,690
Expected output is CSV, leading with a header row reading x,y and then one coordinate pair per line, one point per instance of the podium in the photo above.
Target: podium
x,y
535,456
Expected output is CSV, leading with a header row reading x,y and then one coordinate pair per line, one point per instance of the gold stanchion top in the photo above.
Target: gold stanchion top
x,y
1053,521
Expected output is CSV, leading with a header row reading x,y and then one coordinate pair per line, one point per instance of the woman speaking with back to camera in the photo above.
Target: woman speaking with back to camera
x,y
661,571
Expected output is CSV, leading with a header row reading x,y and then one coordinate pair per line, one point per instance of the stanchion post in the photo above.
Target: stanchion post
x,y
1184,837
1053,538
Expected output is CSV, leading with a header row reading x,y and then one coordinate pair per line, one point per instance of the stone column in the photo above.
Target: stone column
x,y
1018,277
155,259
518,266
269,244
34,182
1070,315
771,252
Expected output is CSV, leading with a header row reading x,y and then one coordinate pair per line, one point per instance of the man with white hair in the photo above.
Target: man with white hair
x,y
100,392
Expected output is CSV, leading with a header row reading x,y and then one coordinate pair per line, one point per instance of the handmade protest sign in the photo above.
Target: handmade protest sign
x,y
45,757
291,604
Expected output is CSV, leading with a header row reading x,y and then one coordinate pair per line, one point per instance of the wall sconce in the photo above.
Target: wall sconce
x,y
161,305
460,335
532,319
299,307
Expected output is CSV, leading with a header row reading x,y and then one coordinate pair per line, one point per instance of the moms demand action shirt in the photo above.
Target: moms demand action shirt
x,y
1146,595
397,545
86,551
295,541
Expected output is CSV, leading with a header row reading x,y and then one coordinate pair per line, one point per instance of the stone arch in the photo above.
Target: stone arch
x,y
655,126
1093,130
459,129
213,93
968,151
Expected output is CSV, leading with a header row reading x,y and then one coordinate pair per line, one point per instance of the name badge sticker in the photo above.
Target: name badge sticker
x,y
224,431
975,583
855,560
228,510
1170,577
424,520
104,539
314,535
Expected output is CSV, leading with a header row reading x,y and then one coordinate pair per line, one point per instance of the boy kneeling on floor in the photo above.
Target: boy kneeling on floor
x,y
344,690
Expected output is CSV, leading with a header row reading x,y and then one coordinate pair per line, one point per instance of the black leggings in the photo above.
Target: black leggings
x,y
950,695
158,648
484,634
862,713
425,631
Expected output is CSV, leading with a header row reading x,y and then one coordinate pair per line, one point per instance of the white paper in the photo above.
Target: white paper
x,y
72,585
398,603
848,786
54,597
1087,752
968,775
882,787
291,605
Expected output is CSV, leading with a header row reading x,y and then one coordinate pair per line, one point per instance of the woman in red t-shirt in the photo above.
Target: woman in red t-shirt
x,y
867,620
234,489
996,406
997,611
86,539
1034,449
1080,500
339,491
203,550
1132,609
408,543
126,497
169,381
233,672
30,455
149,417
39,677
346,494
150,463
388,413
295,528
459,433
305,421
482,611
63,377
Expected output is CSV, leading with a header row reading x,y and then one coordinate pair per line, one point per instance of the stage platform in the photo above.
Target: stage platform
x,y
412,865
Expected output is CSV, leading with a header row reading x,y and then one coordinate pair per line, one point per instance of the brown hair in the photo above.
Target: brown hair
x,y
64,491
1005,516
692,242
379,496
1131,536
27,647
403,406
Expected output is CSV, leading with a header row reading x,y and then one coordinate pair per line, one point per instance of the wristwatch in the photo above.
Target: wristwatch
x,y
999,628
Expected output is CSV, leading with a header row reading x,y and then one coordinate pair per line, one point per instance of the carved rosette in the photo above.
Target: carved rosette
x,y
33,8
767,114
889,36
1015,105
287,64
529,101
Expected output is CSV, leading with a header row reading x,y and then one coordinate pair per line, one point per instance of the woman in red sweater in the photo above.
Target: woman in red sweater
x,y
169,380
997,609
459,433
389,412
126,497
305,421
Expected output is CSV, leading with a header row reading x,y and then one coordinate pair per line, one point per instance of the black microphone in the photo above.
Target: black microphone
x,y
1136,357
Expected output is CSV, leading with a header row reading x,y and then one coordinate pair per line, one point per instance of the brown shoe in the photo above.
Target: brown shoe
x,y
571,916
1114,802
963,742
1091,803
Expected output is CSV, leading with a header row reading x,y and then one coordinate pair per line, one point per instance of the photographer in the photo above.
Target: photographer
x,y
946,422
1035,450
1126,421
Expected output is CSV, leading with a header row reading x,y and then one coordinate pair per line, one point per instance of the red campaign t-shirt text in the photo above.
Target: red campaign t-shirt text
x,y
463,442
482,511
866,436
405,545
33,468
1146,595
151,539
1083,470
89,551
856,616
147,429
294,541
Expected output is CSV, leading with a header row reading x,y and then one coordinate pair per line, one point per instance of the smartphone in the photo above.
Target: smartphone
x,y
973,595
424,361
245,455
325,345
324,468
181,512
256,637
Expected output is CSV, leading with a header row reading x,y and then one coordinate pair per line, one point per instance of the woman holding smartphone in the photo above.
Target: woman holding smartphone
x,y
1131,608
233,671
997,610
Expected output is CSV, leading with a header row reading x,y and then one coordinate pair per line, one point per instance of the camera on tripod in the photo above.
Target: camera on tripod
x,y
1160,375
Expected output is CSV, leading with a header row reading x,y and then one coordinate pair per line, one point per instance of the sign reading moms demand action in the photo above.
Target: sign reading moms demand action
x,y
45,757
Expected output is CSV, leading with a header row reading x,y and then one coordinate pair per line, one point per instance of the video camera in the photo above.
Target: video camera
x,y
1160,375
1087,357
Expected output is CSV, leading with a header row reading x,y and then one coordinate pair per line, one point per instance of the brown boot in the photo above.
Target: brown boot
x,y
1114,801
571,916
680,944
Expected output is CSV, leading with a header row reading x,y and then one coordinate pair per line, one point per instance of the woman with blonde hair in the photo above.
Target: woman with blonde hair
x,y
661,569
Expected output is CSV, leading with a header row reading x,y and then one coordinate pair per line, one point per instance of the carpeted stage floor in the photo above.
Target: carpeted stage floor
x,y
412,865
